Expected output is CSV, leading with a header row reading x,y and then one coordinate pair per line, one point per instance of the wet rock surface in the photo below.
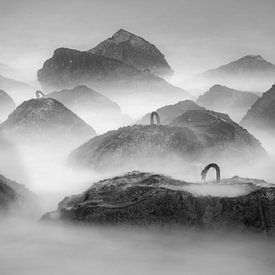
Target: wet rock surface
x,y
145,199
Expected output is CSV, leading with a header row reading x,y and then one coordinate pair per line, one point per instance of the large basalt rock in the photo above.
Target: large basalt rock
x,y
136,145
170,112
134,50
195,136
45,119
261,116
232,102
145,199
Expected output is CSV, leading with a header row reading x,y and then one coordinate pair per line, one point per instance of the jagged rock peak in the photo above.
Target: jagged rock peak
x,y
133,50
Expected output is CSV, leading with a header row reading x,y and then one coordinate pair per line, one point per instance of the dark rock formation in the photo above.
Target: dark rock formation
x,y
248,73
195,136
119,81
151,199
232,102
7,105
261,116
170,112
218,132
152,118
135,51
206,169
136,146
45,119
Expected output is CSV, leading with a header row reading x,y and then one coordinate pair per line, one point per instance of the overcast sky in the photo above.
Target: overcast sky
x,y
194,35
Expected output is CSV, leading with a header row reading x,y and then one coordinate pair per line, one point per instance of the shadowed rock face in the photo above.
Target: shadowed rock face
x,y
145,199
136,145
232,102
123,83
170,112
45,119
218,131
261,116
135,51
7,105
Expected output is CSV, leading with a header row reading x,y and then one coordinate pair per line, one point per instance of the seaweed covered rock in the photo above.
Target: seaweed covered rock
x,y
139,198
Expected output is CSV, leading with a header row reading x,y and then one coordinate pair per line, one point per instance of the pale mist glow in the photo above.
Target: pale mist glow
x,y
194,36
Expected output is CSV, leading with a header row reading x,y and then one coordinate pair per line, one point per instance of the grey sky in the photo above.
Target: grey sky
x,y
193,34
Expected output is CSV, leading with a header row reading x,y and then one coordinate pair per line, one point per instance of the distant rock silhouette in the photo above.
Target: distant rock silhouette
x,y
169,112
249,73
261,116
96,109
232,102
134,50
123,83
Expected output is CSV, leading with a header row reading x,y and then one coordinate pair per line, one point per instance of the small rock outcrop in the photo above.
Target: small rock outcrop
x,y
232,102
261,116
139,198
135,51
45,119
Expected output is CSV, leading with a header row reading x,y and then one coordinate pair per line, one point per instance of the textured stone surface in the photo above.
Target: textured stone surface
x,y
45,118
134,50
192,136
144,199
